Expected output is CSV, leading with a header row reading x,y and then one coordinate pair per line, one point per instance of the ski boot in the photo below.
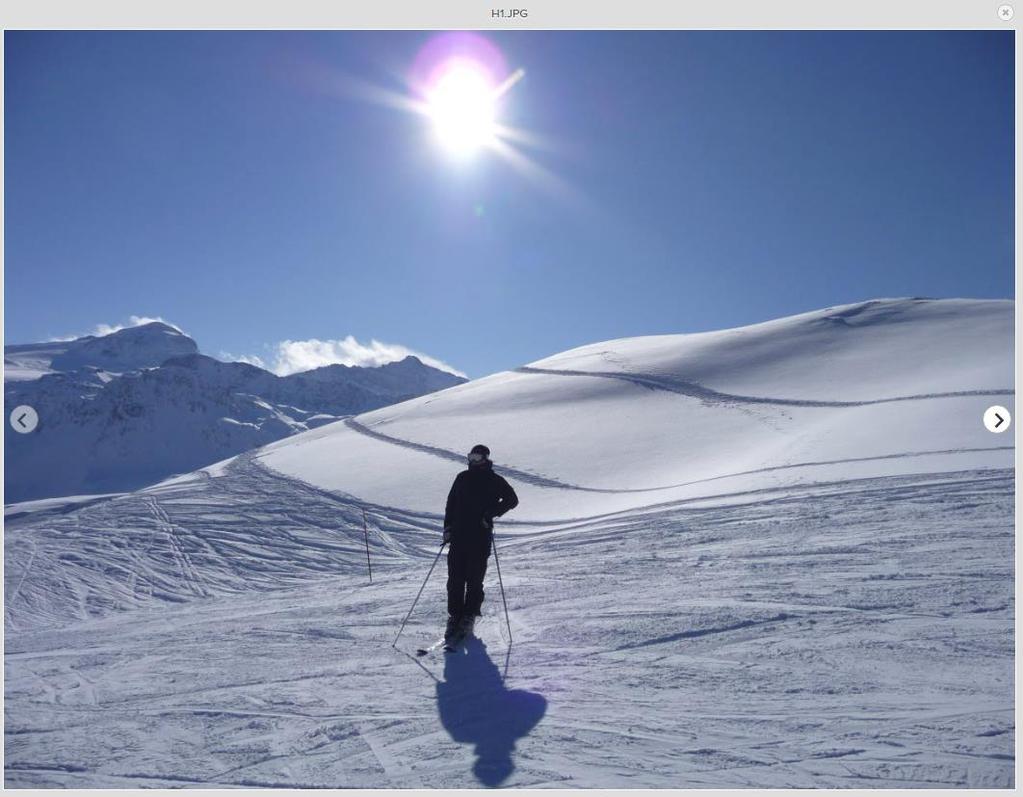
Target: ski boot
x,y
454,628
466,626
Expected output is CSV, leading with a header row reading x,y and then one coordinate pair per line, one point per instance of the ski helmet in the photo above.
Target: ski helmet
x,y
479,454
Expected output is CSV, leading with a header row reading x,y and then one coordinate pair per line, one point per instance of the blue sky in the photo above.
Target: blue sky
x,y
707,180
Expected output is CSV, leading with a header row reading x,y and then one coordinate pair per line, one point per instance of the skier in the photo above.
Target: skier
x,y
476,498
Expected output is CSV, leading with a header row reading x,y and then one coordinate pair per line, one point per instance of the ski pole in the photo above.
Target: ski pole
x,y
366,532
501,582
435,560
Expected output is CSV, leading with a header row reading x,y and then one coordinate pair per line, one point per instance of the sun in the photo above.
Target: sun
x,y
462,103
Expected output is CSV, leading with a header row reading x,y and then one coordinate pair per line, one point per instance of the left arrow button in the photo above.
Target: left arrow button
x,y
24,419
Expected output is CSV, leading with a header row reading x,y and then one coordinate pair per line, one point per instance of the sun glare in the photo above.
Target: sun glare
x,y
462,105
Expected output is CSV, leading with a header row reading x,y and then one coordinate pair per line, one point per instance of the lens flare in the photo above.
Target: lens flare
x,y
459,79
459,83
462,104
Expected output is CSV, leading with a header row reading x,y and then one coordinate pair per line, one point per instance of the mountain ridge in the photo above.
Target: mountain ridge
x,y
128,409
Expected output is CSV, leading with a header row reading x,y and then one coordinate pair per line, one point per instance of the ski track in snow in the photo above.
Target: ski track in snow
x,y
443,453
253,529
222,632
706,394
542,481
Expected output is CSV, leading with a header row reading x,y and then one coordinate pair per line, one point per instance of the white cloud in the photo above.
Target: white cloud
x,y
250,359
108,329
133,321
292,356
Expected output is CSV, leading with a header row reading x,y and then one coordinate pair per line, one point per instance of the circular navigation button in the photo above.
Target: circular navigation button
x,y
24,419
997,419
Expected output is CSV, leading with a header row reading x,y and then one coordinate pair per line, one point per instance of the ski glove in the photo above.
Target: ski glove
x,y
447,535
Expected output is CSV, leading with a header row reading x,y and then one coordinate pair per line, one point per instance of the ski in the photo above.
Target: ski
x,y
428,650
451,644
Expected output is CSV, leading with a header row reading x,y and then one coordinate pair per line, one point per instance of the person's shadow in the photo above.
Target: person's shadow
x,y
476,708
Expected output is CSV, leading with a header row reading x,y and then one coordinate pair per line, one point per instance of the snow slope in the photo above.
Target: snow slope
x,y
877,388
775,556
31,360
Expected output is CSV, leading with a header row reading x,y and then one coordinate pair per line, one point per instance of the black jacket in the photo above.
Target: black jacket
x,y
476,498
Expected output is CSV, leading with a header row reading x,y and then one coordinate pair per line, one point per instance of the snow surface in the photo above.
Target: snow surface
x,y
62,504
775,556
29,361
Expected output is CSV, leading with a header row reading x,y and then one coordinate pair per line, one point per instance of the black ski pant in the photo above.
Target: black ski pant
x,y
467,564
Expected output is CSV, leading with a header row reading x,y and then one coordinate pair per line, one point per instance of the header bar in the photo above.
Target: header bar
x,y
504,14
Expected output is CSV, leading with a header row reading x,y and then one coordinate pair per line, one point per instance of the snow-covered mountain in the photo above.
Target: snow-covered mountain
x,y
129,349
774,556
127,409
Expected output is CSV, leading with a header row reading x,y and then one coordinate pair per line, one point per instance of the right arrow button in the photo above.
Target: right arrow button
x,y
997,419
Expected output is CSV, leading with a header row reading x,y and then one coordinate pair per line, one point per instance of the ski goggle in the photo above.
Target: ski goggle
x,y
476,459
